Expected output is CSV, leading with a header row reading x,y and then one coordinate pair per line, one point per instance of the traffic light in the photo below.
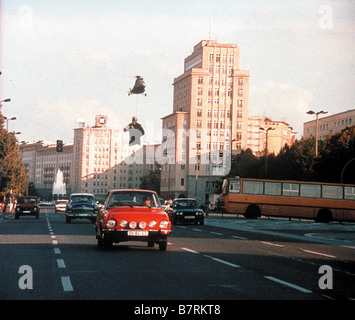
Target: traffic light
x,y
59,145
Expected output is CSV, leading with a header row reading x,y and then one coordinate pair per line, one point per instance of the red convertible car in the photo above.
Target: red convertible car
x,y
132,215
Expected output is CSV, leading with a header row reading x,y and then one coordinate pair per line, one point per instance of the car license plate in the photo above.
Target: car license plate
x,y
27,211
137,233
190,217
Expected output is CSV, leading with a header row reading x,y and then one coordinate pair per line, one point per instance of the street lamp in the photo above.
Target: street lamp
x,y
5,100
317,114
267,134
7,122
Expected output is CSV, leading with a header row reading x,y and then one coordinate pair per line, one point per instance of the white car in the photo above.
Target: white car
x,y
61,205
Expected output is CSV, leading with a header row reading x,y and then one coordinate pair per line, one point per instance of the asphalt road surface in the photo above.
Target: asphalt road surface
x,y
228,258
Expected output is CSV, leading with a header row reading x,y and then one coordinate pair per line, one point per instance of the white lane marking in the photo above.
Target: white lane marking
x,y
55,242
66,283
273,244
197,229
189,250
57,251
319,254
217,233
239,238
288,284
61,263
223,261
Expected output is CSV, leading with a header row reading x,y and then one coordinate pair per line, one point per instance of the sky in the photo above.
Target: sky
x,y
64,60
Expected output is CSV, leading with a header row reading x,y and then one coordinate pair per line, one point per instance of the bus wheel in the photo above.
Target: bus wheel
x,y
324,215
253,212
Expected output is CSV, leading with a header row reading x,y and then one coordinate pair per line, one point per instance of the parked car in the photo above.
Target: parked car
x,y
81,206
186,210
132,215
61,205
27,206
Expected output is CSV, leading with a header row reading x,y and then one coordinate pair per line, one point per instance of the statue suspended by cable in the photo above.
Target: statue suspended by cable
x,y
135,130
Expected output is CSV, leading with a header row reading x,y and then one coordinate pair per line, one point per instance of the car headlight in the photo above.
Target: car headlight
x,y
133,224
111,223
152,224
123,223
142,224
164,224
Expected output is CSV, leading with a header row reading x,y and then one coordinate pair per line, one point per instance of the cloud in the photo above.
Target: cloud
x,y
281,102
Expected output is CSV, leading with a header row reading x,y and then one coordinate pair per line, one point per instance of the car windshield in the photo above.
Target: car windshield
x,y
133,199
185,204
82,198
27,200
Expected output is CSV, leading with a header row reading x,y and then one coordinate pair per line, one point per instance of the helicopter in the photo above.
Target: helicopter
x,y
139,87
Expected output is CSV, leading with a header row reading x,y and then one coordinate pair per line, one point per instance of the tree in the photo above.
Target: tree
x,y
335,152
13,174
151,179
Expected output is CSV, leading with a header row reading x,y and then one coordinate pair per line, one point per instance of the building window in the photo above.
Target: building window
x,y
241,81
182,181
200,80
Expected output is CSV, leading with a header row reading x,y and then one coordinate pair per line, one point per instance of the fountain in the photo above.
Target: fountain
x,y
59,187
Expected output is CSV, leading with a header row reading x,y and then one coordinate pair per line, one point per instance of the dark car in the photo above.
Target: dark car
x,y
81,206
186,210
27,206
132,215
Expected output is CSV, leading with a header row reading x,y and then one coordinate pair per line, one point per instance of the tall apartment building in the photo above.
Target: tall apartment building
x,y
209,120
329,124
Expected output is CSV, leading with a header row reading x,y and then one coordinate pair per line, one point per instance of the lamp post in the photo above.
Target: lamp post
x,y
5,100
317,114
7,122
267,135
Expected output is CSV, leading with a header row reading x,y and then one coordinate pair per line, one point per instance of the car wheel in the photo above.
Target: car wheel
x,y
163,245
202,222
16,216
150,244
67,219
99,242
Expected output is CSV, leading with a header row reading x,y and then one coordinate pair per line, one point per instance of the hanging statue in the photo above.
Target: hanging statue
x,y
135,131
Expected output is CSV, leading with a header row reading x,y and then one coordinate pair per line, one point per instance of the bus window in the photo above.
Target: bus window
x,y
234,186
310,190
290,189
253,187
349,193
273,188
332,192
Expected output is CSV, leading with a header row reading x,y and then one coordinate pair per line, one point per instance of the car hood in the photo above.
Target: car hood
x,y
132,213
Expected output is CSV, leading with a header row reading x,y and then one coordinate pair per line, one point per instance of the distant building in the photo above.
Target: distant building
x,y
103,160
281,133
329,124
98,160
42,162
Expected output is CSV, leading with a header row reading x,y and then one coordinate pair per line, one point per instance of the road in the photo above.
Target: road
x,y
225,259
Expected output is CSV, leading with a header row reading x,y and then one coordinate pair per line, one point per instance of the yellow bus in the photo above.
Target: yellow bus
x,y
322,202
